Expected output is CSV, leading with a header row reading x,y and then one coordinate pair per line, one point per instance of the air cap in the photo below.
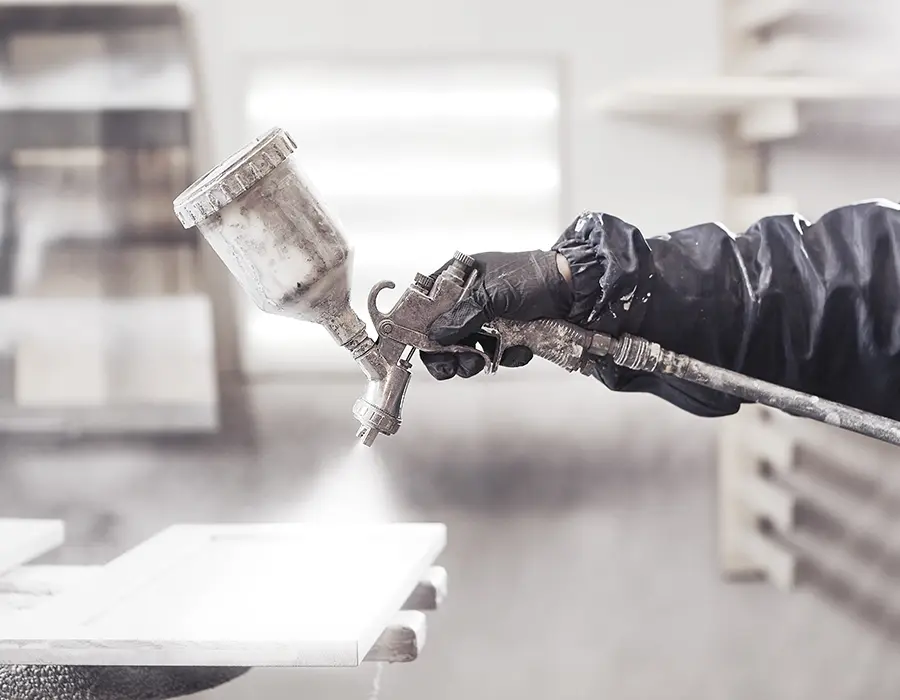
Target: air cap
x,y
232,178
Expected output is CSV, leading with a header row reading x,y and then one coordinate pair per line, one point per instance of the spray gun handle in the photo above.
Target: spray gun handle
x,y
561,343
564,344
404,328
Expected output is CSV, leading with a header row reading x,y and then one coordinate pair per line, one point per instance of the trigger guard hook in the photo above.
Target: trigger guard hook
x,y
379,287
493,362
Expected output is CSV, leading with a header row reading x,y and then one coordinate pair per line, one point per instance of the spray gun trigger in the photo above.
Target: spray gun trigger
x,y
492,341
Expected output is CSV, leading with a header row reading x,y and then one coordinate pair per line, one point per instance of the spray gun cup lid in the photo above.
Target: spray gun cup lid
x,y
233,177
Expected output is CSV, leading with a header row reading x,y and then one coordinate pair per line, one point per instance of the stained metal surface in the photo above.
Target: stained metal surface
x,y
264,219
642,355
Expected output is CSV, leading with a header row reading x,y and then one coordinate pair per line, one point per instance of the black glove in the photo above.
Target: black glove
x,y
517,286
109,683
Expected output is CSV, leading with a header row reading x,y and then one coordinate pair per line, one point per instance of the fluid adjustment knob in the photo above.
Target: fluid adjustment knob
x,y
424,282
466,261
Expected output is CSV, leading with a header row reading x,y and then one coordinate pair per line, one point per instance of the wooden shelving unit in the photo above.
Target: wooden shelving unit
x,y
97,102
747,96
759,99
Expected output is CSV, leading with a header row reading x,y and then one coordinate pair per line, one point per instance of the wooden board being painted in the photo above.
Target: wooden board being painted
x,y
260,595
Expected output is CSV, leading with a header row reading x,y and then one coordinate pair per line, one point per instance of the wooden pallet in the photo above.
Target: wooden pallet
x,y
224,596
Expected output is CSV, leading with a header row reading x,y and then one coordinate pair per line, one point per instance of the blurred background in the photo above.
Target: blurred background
x,y
600,545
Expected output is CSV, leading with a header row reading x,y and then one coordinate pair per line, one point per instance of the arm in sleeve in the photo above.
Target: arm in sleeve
x,y
810,306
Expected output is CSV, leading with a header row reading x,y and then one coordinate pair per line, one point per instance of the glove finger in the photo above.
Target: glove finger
x,y
470,364
464,319
440,365
516,356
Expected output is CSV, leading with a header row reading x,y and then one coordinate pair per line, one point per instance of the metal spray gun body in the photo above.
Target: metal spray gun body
x,y
262,217
264,220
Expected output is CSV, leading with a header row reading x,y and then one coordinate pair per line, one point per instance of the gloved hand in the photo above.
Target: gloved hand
x,y
109,683
522,286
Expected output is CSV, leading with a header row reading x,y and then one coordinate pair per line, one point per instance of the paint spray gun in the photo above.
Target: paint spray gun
x,y
262,217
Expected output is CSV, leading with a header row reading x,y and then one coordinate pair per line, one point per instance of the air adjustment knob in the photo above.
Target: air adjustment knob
x,y
424,282
466,261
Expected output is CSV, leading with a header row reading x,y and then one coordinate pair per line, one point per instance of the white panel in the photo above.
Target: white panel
x,y
257,595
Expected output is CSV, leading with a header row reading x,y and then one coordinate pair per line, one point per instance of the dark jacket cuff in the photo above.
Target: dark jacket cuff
x,y
612,272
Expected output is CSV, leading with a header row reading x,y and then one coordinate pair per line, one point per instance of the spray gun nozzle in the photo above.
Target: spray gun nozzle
x,y
378,410
367,435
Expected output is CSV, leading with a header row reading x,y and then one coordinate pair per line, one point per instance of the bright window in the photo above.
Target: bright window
x,y
416,161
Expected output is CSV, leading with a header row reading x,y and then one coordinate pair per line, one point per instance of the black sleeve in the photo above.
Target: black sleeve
x,y
810,306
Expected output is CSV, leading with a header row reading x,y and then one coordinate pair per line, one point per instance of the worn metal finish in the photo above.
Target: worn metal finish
x,y
575,349
642,355
261,216
404,328
561,343
406,324
264,219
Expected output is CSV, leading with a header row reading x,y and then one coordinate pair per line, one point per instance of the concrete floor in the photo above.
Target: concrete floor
x,y
581,552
